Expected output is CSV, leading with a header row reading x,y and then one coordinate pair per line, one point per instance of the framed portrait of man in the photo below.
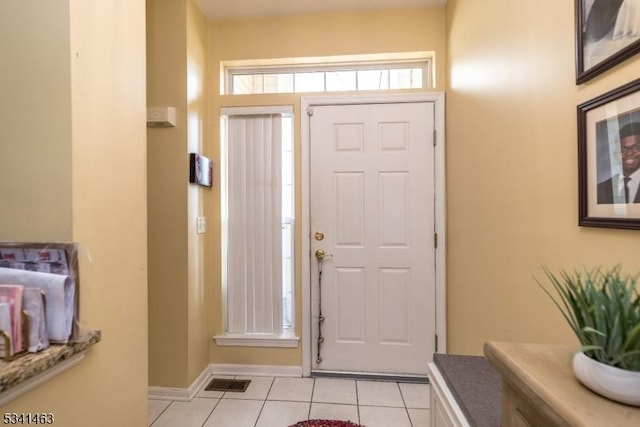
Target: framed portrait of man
x,y
607,33
609,159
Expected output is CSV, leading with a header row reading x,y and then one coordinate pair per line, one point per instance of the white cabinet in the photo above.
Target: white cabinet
x,y
445,411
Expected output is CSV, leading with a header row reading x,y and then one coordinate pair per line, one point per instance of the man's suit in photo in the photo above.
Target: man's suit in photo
x,y
605,191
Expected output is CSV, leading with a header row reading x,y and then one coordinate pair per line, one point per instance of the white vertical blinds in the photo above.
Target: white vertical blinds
x,y
254,233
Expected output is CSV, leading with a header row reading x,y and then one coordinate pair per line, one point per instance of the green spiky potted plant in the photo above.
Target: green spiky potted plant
x,y
603,309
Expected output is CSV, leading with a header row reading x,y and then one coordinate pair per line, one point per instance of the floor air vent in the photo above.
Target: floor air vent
x,y
218,384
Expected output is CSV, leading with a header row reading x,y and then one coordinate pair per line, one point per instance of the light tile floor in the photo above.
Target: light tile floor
x,y
281,402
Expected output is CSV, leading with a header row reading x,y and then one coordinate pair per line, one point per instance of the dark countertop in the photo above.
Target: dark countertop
x,y
476,386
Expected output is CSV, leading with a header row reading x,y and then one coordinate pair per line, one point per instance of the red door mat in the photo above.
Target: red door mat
x,y
325,423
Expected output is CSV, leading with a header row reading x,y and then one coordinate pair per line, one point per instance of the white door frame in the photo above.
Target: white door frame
x,y
439,169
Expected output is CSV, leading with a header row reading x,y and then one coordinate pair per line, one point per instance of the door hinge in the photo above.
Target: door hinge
x,y
434,138
310,111
435,240
436,342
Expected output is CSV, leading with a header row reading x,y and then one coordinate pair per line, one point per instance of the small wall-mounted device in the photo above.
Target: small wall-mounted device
x,y
200,170
161,117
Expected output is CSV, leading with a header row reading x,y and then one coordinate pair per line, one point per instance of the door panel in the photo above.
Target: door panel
x,y
350,289
394,209
372,194
349,204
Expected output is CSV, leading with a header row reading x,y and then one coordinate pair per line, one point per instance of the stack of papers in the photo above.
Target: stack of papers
x,y
11,300
33,305
6,328
45,260
15,299
59,292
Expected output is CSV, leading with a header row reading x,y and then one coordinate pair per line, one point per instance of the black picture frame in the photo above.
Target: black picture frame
x,y
200,170
603,37
601,122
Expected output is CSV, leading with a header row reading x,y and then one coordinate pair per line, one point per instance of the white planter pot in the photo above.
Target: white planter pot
x,y
612,383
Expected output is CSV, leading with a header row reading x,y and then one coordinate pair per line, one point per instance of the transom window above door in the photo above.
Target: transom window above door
x,y
411,70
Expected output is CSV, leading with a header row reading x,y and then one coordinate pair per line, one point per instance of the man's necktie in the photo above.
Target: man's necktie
x,y
626,189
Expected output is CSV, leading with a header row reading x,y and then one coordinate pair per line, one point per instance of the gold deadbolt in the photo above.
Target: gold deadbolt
x,y
319,235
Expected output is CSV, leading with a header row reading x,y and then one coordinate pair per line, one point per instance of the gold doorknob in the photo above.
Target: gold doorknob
x,y
320,254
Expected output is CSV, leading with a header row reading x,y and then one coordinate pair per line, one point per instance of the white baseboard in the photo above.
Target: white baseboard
x,y
186,394
180,394
257,370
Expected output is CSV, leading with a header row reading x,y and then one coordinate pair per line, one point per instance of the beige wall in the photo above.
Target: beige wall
x,y
178,295
512,170
34,118
199,300
167,165
348,33
98,173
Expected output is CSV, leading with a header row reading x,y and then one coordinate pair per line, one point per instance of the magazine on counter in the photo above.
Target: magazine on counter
x,y
12,296
5,327
46,260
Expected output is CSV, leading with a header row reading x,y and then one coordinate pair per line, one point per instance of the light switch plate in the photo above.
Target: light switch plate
x,y
201,224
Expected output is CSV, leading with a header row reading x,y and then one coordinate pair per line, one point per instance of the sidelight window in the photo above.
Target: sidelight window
x,y
258,220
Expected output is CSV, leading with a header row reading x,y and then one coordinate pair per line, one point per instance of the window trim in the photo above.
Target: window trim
x,y
424,60
285,340
263,109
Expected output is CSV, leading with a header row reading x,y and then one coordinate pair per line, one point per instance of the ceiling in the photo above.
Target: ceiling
x,y
225,9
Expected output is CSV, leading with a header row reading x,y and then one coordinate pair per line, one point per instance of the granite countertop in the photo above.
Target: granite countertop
x,y
25,367
476,386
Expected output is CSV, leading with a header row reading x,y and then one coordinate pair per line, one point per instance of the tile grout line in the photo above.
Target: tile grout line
x,y
404,402
217,403
313,389
264,401
214,406
210,413
357,401
160,414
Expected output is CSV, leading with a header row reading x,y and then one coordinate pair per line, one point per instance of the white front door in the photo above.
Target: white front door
x,y
372,195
